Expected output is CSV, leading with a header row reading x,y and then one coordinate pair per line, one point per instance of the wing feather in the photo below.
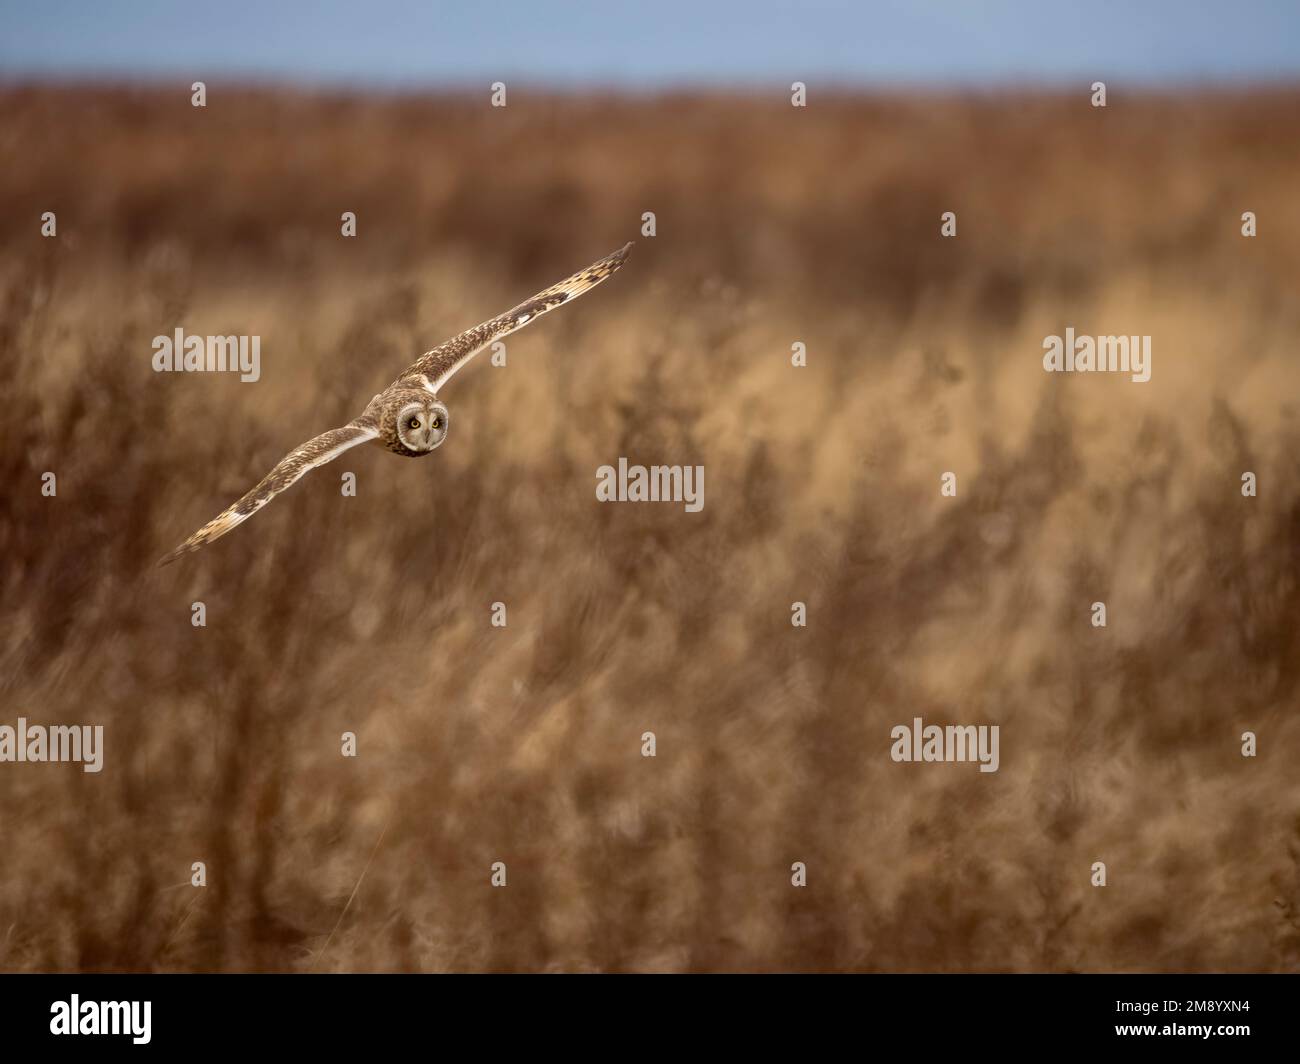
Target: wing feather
x,y
287,472
436,367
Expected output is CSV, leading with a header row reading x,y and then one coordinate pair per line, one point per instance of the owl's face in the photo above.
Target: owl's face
x,y
421,425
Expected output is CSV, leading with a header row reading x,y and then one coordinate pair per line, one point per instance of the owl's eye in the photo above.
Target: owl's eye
x,y
437,423
414,423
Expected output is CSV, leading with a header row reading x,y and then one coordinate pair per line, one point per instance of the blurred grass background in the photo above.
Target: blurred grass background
x,y
371,614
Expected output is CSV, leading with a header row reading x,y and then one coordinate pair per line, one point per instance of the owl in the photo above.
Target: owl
x,y
407,417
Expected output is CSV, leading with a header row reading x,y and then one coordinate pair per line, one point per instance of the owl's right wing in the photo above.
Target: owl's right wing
x,y
436,367
289,470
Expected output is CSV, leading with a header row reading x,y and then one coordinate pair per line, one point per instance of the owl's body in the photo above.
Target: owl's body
x,y
407,417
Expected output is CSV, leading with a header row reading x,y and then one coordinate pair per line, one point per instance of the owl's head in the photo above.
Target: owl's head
x,y
421,423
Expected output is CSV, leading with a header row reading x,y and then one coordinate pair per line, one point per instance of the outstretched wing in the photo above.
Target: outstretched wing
x,y
289,471
435,368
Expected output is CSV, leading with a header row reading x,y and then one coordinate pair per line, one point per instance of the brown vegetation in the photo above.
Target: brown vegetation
x,y
370,614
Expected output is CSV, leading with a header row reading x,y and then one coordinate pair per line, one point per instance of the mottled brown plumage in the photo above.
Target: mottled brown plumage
x,y
407,417
436,367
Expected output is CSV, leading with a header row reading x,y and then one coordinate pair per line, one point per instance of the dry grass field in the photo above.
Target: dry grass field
x,y
371,614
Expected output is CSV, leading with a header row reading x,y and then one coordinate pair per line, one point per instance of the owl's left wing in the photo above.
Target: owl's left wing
x,y
287,472
436,367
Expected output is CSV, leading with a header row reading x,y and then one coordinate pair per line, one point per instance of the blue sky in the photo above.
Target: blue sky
x,y
405,43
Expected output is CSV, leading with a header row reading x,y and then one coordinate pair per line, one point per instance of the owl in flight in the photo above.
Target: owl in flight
x,y
407,417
